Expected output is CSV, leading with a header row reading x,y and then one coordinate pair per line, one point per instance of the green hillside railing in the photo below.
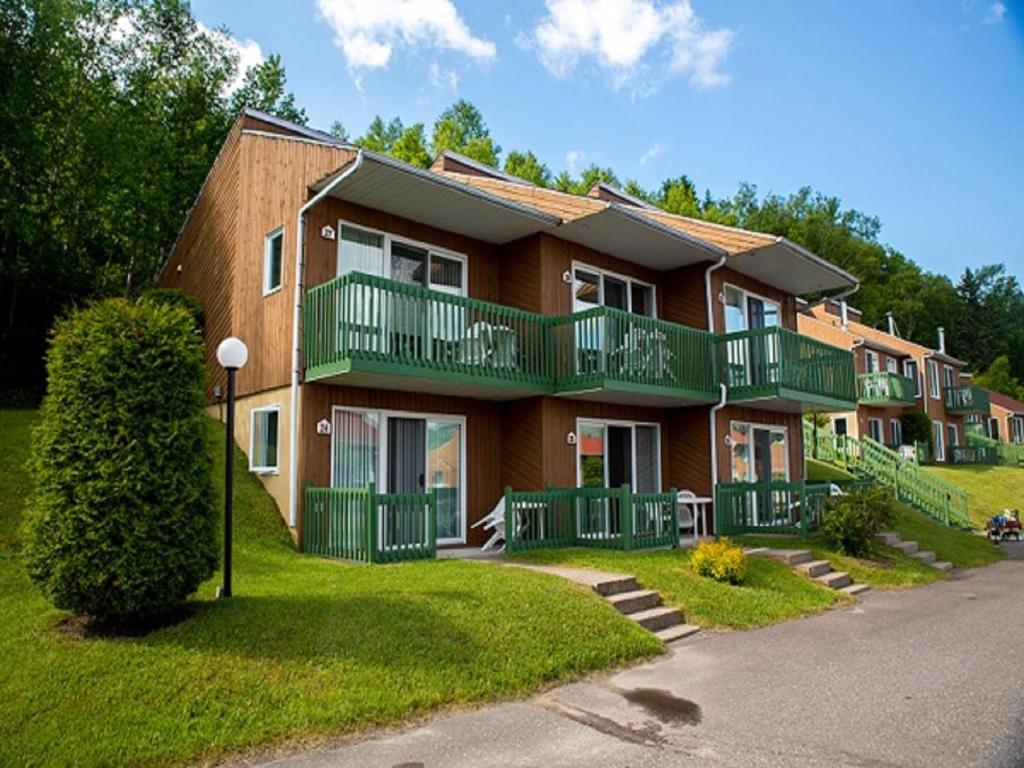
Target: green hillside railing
x,y
966,399
777,362
885,388
607,348
770,507
982,449
602,518
369,323
361,524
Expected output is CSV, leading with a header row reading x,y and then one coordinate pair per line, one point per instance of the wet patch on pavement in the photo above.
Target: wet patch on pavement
x,y
664,706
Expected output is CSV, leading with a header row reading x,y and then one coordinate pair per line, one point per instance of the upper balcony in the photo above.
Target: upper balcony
x,y
967,399
885,389
616,356
788,371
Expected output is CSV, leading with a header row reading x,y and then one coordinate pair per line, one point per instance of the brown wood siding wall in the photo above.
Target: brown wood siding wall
x,y
483,437
205,252
684,299
792,421
690,449
520,271
275,177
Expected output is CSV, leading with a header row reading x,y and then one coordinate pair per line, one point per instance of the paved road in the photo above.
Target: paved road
x,y
916,678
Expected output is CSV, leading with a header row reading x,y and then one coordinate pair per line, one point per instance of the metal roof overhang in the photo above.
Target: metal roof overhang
x,y
877,345
428,198
790,268
619,231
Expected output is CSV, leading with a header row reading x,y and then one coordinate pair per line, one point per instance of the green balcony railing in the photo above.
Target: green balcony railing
x,y
371,324
777,362
967,399
611,349
603,518
769,507
361,524
885,388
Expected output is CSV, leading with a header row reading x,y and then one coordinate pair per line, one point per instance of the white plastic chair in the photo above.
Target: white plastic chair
x,y
494,520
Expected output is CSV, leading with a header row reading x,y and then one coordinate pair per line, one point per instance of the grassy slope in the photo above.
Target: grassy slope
x,y
772,592
307,647
990,490
822,472
962,549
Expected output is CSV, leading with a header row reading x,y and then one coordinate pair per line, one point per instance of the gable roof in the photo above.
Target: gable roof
x,y
1006,402
293,128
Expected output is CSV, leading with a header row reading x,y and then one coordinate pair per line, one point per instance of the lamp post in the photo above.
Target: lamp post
x,y
232,354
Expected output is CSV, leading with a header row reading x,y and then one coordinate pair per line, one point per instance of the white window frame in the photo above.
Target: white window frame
x,y
891,366
913,371
953,435
871,361
389,239
881,430
994,420
746,306
268,239
939,436
1016,435
629,281
934,385
264,470
948,376
619,423
756,425
382,454
896,428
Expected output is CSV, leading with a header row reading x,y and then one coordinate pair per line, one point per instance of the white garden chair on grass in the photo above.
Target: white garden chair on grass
x,y
493,521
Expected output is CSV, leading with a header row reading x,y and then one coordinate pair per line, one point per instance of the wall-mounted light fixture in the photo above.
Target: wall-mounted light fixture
x,y
570,438
567,277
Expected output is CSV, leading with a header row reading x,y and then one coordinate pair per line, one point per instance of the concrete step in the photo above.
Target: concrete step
x,y
907,547
943,566
815,568
791,557
835,579
616,586
678,632
654,619
855,589
889,538
638,600
925,557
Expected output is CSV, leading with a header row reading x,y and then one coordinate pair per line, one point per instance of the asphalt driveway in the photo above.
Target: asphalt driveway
x,y
926,677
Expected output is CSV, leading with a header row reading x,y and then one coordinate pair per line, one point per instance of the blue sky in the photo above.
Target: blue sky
x,y
911,111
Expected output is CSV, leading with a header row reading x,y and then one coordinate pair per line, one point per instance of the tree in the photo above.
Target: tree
x,y
411,147
999,378
526,166
591,176
678,195
461,128
380,136
338,131
264,89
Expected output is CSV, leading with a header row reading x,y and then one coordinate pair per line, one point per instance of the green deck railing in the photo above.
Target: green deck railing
x,y
966,399
777,362
606,348
361,524
885,388
769,507
988,450
604,518
378,325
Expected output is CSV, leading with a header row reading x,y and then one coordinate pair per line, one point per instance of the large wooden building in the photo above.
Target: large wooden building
x,y
458,330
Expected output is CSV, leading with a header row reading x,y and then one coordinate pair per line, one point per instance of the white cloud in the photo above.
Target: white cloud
x,y
651,153
996,13
368,31
443,78
248,52
638,42
573,159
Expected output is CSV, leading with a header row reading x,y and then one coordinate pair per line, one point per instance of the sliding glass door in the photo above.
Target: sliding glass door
x,y
753,360
759,455
613,454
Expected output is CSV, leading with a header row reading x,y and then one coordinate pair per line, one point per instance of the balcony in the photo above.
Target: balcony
x,y
614,356
966,399
364,330
787,371
885,389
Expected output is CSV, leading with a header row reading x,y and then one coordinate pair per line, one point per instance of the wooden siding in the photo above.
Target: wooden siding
x,y
690,449
684,300
201,263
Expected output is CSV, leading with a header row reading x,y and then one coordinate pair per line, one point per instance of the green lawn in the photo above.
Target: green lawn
x,y
772,592
823,472
990,490
961,548
308,648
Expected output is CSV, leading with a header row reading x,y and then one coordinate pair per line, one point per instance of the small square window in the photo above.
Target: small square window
x,y
272,261
263,440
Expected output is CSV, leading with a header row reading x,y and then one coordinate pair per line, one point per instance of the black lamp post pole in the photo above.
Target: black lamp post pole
x,y
229,457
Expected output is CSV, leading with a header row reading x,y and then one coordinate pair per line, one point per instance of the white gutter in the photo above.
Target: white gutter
x,y
293,443
723,391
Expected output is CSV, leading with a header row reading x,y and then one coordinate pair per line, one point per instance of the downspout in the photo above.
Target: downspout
x,y
300,237
723,391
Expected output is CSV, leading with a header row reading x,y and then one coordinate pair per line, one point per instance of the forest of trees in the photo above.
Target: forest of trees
x,y
112,111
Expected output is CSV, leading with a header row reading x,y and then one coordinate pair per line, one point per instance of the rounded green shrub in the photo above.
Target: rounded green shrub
x,y
720,560
121,525
851,521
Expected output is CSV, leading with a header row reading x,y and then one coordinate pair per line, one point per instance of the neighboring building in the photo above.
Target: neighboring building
x,y
1006,420
895,376
458,330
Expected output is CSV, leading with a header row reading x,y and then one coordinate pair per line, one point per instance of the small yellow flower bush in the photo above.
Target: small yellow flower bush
x,y
720,560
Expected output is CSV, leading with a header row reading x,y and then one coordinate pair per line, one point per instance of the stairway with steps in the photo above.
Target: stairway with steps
x,y
644,607
819,570
910,548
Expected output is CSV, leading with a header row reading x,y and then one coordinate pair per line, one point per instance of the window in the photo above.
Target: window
x,y
896,427
875,431
953,438
1017,429
747,312
273,255
611,454
940,450
871,361
839,425
933,379
263,436
948,372
405,261
595,288
759,453
911,372
993,428
890,365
